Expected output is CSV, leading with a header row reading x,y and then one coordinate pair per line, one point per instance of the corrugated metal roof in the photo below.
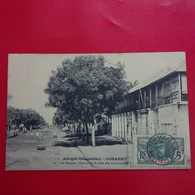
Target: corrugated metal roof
x,y
159,75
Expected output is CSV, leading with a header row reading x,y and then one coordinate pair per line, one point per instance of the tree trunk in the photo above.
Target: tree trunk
x,y
106,126
79,130
87,132
74,130
83,134
93,136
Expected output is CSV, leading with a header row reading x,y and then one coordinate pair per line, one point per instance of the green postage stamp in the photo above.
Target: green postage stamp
x,y
160,151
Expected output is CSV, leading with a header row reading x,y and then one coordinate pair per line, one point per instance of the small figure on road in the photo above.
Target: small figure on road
x,y
37,134
31,134
24,130
41,135
55,135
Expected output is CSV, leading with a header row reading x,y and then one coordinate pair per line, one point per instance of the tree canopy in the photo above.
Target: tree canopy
x,y
84,87
28,117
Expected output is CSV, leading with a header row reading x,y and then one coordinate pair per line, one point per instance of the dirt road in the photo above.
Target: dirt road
x,y
22,153
65,152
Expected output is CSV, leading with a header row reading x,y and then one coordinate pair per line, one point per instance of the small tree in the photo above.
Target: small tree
x,y
85,87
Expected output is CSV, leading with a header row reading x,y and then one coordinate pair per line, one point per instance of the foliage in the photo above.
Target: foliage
x,y
84,87
28,117
60,118
133,84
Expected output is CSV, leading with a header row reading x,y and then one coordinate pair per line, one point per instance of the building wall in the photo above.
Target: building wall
x,y
171,119
143,126
168,119
183,120
161,107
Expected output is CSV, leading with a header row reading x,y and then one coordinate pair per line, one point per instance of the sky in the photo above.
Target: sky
x,y
28,74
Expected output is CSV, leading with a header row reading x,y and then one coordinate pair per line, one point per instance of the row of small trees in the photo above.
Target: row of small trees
x,y
85,88
27,117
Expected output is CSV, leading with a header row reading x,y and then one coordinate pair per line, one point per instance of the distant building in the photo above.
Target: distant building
x,y
157,105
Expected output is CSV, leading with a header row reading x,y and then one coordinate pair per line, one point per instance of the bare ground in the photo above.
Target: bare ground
x,y
64,152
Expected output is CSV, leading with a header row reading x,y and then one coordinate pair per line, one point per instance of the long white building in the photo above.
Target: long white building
x,y
157,105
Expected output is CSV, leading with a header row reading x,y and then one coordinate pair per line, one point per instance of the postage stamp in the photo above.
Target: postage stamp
x,y
160,150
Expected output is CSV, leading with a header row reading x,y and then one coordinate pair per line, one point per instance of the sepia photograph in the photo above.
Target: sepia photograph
x,y
97,111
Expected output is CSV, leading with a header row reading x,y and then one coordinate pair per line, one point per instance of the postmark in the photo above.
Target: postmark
x,y
162,149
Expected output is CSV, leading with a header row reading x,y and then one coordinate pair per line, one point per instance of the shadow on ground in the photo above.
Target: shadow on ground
x,y
72,141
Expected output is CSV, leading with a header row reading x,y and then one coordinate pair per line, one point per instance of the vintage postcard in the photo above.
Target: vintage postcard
x,y
97,111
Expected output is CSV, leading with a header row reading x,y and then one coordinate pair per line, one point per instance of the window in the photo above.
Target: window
x,y
183,84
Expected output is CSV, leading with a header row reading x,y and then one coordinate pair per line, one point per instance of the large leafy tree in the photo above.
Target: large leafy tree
x,y
60,118
84,87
